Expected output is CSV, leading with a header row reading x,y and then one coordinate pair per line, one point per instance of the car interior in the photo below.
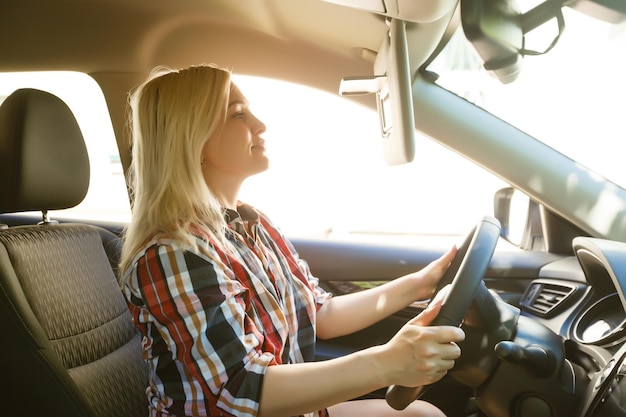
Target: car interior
x,y
538,284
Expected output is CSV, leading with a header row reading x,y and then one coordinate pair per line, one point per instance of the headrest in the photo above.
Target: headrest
x,y
43,159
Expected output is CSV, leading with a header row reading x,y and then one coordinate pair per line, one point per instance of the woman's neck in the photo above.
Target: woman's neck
x,y
224,187
226,193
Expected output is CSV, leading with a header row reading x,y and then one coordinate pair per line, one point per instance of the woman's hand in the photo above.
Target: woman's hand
x,y
417,355
420,354
427,278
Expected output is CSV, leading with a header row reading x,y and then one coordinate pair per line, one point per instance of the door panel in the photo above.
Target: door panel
x,y
345,267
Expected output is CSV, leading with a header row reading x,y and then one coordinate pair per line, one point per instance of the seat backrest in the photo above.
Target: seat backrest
x,y
68,345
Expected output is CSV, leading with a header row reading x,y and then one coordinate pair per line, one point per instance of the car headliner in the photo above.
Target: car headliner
x,y
307,41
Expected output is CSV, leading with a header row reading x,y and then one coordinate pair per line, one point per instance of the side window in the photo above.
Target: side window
x,y
107,198
328,176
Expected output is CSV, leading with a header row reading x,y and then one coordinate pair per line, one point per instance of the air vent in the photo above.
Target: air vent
x,y
543,298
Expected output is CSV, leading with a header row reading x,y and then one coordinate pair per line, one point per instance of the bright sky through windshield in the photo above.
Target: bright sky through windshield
x,y
572,98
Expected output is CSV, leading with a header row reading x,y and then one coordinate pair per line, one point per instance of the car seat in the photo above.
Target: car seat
x,y
68,345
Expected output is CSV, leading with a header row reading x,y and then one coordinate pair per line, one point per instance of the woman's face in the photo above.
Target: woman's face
x,y
236,151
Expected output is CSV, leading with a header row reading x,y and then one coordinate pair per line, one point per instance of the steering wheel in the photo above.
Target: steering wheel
x,y
464,275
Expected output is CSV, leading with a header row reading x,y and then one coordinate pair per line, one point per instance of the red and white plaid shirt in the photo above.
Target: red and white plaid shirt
x,y
213,321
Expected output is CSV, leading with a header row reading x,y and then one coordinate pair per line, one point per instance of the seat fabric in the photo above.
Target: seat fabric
x,y
68,345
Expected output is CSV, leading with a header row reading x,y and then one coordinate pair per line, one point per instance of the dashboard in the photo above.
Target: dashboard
x,y
582,299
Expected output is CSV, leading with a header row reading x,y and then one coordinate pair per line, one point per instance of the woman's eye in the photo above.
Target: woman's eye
x,y
239,115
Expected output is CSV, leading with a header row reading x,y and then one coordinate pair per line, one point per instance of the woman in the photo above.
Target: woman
x,y
228,312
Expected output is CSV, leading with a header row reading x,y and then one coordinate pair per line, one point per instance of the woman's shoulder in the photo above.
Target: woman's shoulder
x,y
175,254
197,241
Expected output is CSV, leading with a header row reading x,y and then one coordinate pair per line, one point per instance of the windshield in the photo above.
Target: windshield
x,y
573,98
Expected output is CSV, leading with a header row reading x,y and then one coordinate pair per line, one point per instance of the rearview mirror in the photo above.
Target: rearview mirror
x,y
496,29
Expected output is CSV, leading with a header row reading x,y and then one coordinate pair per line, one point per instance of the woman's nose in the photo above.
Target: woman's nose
x,y
258,127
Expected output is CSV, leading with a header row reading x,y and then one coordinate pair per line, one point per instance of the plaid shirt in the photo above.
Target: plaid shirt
x,y
213,321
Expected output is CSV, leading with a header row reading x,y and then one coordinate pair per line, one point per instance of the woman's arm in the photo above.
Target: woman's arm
x,y
349,313
417,355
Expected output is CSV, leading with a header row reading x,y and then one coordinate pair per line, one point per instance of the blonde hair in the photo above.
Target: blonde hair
x,y
173,114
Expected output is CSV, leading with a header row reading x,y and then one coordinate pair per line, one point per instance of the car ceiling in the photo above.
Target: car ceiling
x,y
309,41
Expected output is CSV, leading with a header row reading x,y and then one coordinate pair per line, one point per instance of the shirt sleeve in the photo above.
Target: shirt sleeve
x,y
199,310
